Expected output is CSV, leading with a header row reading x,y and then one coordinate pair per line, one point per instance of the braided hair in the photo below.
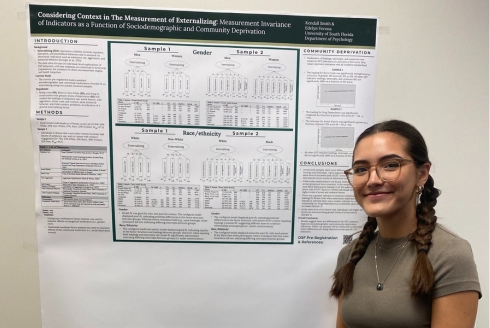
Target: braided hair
x,y
422,281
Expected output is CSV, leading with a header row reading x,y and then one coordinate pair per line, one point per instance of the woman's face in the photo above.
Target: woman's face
x,y
394,199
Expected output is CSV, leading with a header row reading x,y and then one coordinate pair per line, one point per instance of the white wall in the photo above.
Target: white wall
x,y
432,71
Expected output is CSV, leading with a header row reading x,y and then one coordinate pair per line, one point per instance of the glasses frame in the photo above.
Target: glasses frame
x,y
401,161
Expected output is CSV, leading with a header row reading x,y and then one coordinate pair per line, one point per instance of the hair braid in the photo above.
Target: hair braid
x,y
423,273
344,277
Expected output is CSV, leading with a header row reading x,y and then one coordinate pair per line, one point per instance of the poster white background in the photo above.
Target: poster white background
x,y
194,198
419,43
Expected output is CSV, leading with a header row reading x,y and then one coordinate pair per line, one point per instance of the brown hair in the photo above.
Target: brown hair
x,y
422,273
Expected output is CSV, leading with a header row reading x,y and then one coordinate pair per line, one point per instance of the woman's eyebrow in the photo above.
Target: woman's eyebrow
x,y
385,157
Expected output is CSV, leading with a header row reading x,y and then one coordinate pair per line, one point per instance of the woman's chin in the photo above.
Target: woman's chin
x,y
374,211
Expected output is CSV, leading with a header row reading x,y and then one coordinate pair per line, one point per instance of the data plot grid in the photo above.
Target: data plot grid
x,y
341,137
336,95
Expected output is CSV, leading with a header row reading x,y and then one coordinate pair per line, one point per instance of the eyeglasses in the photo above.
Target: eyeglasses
x,y
387,170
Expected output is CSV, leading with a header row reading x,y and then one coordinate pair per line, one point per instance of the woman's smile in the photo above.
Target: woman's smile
x,y
378,194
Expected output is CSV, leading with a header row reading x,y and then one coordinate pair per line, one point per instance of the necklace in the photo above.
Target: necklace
x,y
380,284
390,249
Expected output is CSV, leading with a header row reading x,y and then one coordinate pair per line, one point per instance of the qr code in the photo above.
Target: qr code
x,y
347,239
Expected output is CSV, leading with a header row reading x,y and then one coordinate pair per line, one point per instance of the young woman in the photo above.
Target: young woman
x,y
404,270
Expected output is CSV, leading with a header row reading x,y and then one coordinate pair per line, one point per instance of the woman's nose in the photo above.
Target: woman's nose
x,y
374,177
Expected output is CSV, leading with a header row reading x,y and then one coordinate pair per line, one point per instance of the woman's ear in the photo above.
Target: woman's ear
x,y
423,173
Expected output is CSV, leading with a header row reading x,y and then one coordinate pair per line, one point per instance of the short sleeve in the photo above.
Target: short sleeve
x,y
454,267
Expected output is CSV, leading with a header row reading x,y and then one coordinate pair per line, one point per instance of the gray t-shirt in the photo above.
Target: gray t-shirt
x,y
393,307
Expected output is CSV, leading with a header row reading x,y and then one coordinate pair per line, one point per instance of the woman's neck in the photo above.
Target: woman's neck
x,y
396,227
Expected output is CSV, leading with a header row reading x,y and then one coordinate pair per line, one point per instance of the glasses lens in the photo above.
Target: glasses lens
x,y
358,175
389,170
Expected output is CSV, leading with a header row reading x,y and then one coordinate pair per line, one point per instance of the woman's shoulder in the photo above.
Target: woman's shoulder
x,y
349,247
447,244
454,266
345,253
443,237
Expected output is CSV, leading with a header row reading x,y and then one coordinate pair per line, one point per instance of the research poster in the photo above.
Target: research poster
x,y
174,134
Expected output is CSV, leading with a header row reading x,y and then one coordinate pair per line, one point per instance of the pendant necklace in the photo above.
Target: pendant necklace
x,y
380,284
